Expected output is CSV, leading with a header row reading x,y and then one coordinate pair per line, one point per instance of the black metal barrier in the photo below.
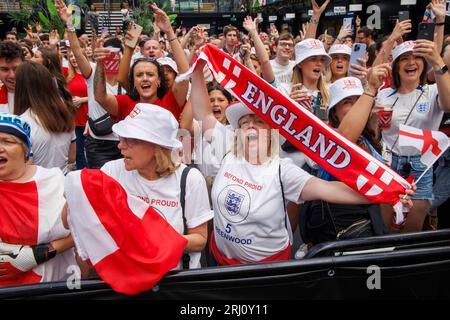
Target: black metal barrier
x,y
387,242
410,273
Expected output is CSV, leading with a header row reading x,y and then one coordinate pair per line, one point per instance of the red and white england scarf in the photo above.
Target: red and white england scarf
x,y
334,153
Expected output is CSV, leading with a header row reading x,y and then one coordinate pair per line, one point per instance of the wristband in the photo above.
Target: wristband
x,y
173,39
370,95
314,21
70,27
440,24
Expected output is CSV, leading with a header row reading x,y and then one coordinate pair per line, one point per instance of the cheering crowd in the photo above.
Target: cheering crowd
x,y
172,137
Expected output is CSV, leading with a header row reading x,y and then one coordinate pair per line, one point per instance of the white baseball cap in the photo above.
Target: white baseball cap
x,y
402,48
309,48
235,111
166,61
340,48
152,123
344,88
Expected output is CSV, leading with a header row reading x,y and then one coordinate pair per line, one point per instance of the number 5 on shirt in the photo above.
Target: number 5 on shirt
x,y
228,228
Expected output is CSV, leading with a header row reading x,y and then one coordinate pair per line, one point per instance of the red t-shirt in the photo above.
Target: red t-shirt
x,y
78,88
168,102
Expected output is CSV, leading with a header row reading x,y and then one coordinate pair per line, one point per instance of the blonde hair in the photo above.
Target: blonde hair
x,y
165,165
297,77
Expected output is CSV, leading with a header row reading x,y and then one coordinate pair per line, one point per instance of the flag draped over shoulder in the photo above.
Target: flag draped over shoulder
x,y
324,145
129,244
430,144
30,214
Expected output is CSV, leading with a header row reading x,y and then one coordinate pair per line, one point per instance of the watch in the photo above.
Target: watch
x,y
442,70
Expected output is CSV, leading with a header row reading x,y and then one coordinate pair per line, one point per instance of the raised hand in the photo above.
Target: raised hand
x,y
439,9
427,49
161,19
401,28
377,75
250,25
317,11
64,12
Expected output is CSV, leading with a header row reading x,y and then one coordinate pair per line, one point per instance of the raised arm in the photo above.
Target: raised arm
x,y
179,89
107,101
428,50
261,53
200,101
401,29
124,66
65,13
439,10
314,22
354,122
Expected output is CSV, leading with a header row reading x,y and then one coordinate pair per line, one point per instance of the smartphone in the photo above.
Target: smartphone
x,y
135,30
403,15
426,31
347,23
358,52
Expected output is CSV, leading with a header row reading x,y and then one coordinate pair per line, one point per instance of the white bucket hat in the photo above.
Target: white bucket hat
x,y
235,111
309,48
340,48
344,88
402,48
166,61
151,123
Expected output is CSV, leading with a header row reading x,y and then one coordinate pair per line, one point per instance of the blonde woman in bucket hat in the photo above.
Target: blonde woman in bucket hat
x,y
151,171
253,184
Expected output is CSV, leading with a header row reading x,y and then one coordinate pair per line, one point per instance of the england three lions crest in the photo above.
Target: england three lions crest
x,y
233,202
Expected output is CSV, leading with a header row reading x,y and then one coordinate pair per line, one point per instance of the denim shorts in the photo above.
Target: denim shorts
x,y
441,188
411,166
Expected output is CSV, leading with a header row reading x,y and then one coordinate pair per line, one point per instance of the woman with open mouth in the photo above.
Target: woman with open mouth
x,y
147,81
34,246
416,104
340,60
253,185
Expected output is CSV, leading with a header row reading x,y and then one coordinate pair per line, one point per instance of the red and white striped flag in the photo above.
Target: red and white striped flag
x,y
129,244
324,145
30,214
431,144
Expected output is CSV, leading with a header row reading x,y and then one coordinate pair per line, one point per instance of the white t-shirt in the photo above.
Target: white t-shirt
x,y
95,110
283,74
427,114
250,223
49,149
164,196
50,185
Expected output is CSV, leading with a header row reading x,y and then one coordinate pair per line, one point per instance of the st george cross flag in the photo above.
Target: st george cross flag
x,y
129,244
324,145
30,214
431,144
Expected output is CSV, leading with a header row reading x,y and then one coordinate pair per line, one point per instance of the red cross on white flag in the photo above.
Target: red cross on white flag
x,y
431,144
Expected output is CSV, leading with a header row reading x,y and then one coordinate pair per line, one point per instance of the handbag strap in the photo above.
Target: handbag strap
x,y
407,118
184,174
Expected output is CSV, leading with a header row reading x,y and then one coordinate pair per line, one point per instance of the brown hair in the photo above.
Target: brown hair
x,y
284,36
36,90
230,28
52,62
396,82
